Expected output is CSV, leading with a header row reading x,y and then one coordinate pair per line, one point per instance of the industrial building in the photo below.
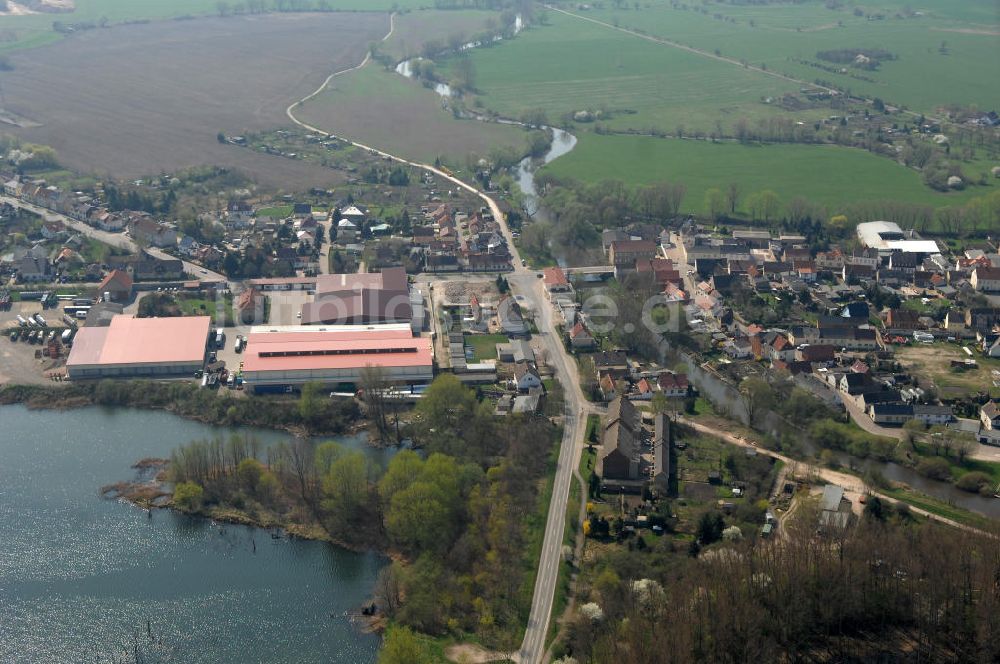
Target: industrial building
x,y
886,236
365,299
156,347
283,357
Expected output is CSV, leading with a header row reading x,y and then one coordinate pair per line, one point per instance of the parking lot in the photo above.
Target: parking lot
x,y
286,306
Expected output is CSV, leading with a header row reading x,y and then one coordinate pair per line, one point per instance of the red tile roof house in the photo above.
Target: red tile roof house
x,y
644,390
118,286
580,337
673,385
555,280
623,254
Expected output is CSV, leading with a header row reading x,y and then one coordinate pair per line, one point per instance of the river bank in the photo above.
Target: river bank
x,y
152,490
82,575
328,417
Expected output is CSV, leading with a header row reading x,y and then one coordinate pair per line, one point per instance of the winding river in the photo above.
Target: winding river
x,y
562,140
84,579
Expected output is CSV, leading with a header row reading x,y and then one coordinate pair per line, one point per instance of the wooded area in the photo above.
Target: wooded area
x,y
463,510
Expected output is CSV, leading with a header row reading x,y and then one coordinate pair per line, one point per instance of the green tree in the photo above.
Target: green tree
x,y
310,403
715,203
401,646
249,472
188,496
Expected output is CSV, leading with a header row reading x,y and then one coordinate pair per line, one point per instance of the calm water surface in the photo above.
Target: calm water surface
x,y
80,576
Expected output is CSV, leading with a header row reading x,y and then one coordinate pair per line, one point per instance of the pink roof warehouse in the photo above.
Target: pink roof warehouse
x,y
332,354
140,347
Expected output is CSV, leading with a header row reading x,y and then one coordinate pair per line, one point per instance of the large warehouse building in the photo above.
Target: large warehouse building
x,y
279,357
140,347
887,236
365,299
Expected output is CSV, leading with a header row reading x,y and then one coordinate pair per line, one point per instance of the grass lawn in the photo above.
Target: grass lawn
x,y
570,65
414,29
275,212
385,110
207,307
928,308
829,175
932,363
941,508
484,346
784,35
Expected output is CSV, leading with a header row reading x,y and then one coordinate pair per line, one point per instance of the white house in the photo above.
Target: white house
x,y
989,415
526,376
986,279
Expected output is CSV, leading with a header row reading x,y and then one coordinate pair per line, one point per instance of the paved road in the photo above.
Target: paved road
x,y
523,282
120,240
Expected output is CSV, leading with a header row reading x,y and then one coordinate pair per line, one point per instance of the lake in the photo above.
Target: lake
x,y
80,576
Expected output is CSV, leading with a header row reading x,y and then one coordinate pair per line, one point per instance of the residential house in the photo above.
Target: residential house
x,y
905,261
147,231
739,348
856,383
931,415
250,306
515,351
890,413
613,362
52,229
509,317
526,376
815,353
661,453
32,269
618,458
982,319
239,214
117,286
580,337
643,390
986,279
623,254
555,281
989,415
902,320
527,404
856,272
673,384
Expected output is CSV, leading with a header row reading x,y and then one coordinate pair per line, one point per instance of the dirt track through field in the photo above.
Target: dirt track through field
x,y
143,99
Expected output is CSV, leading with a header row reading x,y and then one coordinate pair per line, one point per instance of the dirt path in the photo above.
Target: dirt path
x,y
470,653
850,483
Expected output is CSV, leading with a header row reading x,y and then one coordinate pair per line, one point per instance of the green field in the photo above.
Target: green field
x,y
384,110
922,77
414,29
570,65
828,175
484,346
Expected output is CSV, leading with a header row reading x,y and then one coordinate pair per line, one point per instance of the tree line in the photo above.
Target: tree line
x,y
461,508
868,594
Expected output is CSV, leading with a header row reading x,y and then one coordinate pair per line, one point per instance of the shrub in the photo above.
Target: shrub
x,y
935,468
188,496
973,482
